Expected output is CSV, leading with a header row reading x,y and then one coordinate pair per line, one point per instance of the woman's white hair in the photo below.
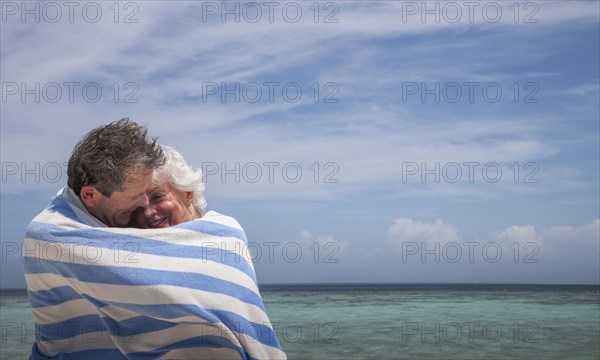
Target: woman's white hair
x,y
182,176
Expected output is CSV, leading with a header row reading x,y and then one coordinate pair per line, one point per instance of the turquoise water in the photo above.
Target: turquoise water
x,y
17,327
404,322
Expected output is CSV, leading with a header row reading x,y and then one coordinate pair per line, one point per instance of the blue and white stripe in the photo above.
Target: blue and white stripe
x,y
184,292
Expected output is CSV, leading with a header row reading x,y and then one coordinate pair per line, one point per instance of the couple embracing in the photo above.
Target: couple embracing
x,y
125,263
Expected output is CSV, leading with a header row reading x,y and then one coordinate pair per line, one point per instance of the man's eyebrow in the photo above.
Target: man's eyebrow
x,y
138,195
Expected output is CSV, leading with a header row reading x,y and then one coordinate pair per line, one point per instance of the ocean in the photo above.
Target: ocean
x,y
403,321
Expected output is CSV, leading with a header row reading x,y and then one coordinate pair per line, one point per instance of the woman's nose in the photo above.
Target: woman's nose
x,y
149,211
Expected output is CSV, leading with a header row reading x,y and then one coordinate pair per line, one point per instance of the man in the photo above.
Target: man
x,y
109,172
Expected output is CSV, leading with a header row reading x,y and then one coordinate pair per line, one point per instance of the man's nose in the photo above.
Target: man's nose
x,y
144,201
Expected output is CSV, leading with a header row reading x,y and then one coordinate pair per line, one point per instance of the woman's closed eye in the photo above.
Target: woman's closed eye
x,y
157,196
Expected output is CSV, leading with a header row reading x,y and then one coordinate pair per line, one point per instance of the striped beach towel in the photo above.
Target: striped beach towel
x,y
184,292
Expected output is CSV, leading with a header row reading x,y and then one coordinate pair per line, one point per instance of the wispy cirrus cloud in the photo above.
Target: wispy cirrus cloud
x,y
394,76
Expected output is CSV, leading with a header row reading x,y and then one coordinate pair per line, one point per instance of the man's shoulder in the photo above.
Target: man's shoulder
x,y
59,212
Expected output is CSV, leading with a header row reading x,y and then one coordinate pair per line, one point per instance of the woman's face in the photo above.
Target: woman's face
x,y
167,207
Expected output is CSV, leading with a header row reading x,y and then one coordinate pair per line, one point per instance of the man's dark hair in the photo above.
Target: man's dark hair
x,y
109,154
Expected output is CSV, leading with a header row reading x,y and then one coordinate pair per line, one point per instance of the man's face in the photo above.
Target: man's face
x,y
116,210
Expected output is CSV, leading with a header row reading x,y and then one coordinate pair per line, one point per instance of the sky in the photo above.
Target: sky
x,y
355,141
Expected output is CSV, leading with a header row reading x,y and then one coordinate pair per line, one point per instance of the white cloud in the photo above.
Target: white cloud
x,y
584,89
555,238
521,234
170,52
566,236
324,241
554,241
408,230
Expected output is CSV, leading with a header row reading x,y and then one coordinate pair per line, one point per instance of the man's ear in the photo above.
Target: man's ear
x,y
89,195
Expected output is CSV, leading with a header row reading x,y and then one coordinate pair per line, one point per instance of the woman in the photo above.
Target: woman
x,y
223,293
175,196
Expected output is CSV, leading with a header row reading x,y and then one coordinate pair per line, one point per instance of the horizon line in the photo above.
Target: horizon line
x,y
393,283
